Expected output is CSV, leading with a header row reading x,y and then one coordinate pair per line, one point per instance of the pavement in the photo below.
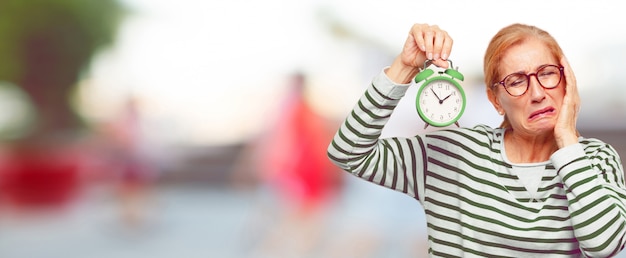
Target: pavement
x,y
199,221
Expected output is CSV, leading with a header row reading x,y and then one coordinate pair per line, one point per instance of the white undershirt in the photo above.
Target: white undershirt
x,y
530,176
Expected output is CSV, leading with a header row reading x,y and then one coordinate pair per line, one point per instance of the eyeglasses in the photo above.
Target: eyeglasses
x,y
548,76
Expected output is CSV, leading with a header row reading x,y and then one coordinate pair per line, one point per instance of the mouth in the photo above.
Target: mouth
x,y
541,113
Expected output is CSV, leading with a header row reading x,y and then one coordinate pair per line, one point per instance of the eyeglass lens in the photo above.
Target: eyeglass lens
x,y
517,84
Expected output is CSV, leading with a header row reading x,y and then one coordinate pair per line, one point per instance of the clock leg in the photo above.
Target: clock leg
x,y
457,124
425,125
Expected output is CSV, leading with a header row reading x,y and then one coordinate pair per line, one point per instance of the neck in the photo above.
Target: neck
x,y
529,148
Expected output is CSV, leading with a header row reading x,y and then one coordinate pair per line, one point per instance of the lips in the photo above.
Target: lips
x,y
541,112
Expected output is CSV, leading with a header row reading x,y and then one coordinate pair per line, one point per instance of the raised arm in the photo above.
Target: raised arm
x,y
357,147
423,42
593,179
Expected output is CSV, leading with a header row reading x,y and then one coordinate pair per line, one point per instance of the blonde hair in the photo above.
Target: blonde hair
x,y
507,37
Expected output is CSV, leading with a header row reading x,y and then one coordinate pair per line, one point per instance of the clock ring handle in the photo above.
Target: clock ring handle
x,y
425,73
429,61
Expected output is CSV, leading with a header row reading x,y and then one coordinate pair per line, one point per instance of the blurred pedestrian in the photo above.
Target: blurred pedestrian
x,y
294,171
135,171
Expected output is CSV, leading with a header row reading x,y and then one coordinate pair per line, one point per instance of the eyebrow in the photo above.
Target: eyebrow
x,y
535,69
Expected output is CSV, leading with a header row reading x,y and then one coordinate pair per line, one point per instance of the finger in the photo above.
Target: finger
x,y
438,43
441,63
569,74
571,88
429,36
417,35
447,47
572,98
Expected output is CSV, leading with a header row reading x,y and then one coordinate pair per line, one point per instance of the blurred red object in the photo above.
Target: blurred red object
x,y
40,178
293,155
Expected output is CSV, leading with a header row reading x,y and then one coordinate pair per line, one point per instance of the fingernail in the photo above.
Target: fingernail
x,y
423,47
436,56
444,56
430,56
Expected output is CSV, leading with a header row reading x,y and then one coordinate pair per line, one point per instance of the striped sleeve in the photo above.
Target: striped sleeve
x,y
593,178
356,148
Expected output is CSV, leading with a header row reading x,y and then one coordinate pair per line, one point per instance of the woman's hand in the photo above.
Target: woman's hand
x,y
565,130
423,42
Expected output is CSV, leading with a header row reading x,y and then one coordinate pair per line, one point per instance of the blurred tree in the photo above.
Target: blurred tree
x,y
45,46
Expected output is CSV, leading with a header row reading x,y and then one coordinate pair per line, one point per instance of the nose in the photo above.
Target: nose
x,y
537,92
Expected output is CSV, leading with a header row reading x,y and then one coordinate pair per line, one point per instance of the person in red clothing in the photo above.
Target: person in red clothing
x,y
295,162
293,167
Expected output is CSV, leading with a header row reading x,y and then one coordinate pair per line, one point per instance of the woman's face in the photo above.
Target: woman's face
x,y
535,111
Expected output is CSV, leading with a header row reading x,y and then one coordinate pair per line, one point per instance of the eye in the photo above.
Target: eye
x,y
515,80
548,71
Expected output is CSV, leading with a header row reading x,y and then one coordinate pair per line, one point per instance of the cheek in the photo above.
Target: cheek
x,y
514,109
558,95
509,104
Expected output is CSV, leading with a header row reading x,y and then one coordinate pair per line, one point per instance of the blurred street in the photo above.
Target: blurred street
x,y
205,221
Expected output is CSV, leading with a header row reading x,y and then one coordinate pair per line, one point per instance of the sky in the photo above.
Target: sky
x,y
214,72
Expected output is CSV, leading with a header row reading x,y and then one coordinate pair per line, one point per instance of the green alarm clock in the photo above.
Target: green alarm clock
x,y
440,99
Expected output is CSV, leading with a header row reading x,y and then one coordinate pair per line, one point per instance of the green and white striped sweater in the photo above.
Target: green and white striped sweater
x,y
475,205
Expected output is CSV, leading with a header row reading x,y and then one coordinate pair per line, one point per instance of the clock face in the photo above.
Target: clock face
x,y
440,101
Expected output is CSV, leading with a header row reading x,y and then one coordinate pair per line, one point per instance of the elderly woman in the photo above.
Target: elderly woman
x,y
531,187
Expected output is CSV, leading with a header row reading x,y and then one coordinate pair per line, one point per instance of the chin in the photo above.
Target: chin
x,y
542,128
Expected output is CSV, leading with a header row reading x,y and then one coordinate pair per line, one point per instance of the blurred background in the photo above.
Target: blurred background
x,y
153,128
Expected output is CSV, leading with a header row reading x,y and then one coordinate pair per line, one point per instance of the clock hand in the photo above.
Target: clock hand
x,y
440,101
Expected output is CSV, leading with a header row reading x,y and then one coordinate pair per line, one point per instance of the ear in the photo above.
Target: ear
x,y
491,94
